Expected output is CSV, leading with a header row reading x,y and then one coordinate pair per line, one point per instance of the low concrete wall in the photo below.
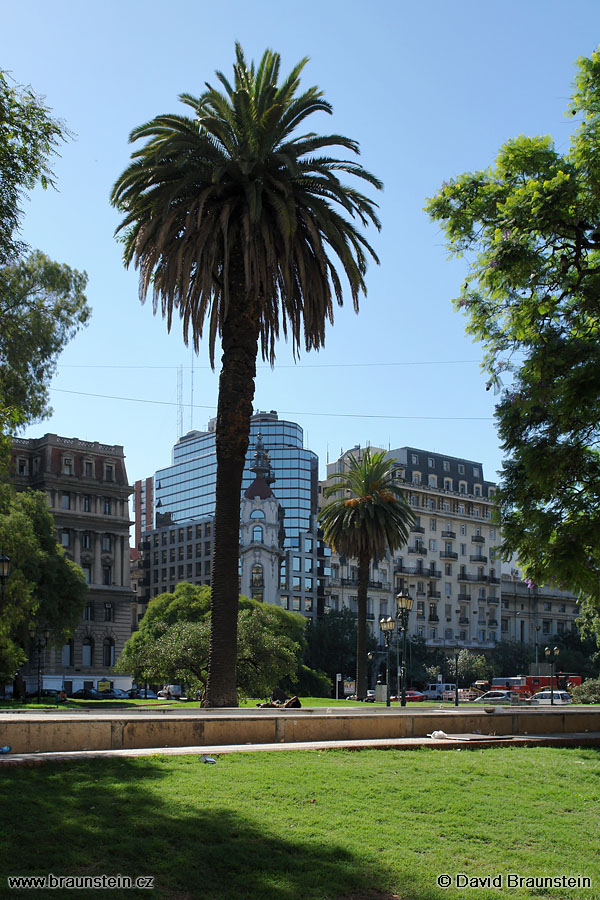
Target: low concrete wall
x,y
70,731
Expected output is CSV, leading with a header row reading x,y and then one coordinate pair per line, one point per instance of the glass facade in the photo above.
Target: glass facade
x,y
186,489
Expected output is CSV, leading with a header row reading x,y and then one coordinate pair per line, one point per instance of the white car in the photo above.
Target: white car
x,y
545,697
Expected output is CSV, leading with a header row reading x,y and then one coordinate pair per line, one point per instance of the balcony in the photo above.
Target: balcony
x,y
434,595
450,535
464,598
477,539
431,573
448,554
434,618
493,580
494,600
478,559
463,620
418,529
419,548
493,623
464,576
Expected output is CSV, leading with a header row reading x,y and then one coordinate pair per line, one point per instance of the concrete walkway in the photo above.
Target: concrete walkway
x,y
451,742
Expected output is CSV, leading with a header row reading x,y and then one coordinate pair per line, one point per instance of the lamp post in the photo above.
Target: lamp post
x,y
537,660
404,604
551,654
387,625
456,655
39,641
4,571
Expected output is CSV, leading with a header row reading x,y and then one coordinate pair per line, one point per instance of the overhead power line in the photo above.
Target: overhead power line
x,y
417,362
286,412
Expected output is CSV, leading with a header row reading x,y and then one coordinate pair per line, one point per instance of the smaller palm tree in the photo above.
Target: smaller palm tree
x,y
370,517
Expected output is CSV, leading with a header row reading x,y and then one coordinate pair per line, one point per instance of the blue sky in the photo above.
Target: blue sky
x,y
429,90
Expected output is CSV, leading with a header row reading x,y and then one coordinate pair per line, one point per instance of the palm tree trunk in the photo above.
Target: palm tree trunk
x,y
364,561
236,393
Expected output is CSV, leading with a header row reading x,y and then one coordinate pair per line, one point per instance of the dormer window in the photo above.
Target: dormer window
x,y
109,472
88,468
67,465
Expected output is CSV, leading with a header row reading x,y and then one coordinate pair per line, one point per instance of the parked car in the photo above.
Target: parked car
x,y
501,697
370,698
545,697
86,694
142,694
171,692
415,696
120,694
45,694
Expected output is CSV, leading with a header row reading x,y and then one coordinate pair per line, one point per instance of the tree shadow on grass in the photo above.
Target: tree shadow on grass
x,y
112,817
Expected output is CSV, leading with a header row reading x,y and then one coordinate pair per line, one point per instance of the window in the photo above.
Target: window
x,y
189,533
448,634
88,612
67,466
189,551
432,544
88,652
207,530
308,604
432,480
86,503
433,634
87,572
285,602
448,569
207,548
106,575
67,654
446,466
492,534
109,472
477,490
65,501
296,603
257,535
433,524
207,566
475,472
257,514
420,587
447,484
107,506
448,590
416,478
257,575
546,626
461,509
420,609
415,459
504,626
172,537
171,554
163,539
461,469
109,613
463,549
108,652
88,468
180,553
106,543
431,462
462,487
22,467
463,529
64,539
548,606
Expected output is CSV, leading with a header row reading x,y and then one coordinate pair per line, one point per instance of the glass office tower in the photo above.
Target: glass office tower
x,y
186,489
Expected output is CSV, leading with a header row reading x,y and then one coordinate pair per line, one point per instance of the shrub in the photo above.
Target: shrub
x,y
588,692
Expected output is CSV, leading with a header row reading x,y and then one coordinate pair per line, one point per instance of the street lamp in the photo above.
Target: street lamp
x,y
39,641
551,654
456,655
387,625
404,604
537,662
4,571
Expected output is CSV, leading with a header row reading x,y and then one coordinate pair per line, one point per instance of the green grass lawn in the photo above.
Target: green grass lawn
x,y
291,825
120,704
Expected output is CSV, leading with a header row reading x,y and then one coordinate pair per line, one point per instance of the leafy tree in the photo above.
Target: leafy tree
x,y
472,667
531,226
42,306
236,220
369,518
579,653
29,136
331,643
172,644
43,585
510,658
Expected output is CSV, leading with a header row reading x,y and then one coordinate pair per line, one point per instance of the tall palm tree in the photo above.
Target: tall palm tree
x,y
236,221
370,516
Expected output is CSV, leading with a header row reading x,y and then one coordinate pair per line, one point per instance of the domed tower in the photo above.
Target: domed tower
x,y
261,532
